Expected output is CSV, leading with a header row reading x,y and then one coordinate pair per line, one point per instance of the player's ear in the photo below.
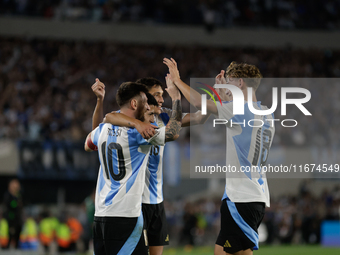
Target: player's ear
x,y
241,84
134,104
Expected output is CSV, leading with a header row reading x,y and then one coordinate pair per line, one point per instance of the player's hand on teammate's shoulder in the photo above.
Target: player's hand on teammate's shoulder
x,y
98,89
145,129
173,69
105,120
108,118
172,89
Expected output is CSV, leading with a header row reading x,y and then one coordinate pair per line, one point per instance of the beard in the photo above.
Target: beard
x,y
140,111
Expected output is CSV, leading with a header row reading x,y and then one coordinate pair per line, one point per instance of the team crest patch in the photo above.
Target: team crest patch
x,y
160,124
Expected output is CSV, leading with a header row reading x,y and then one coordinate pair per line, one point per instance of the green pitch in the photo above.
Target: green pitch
x,y
264,250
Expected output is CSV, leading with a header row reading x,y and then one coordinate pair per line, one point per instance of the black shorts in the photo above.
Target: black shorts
x,y
239,224
155,224
113,235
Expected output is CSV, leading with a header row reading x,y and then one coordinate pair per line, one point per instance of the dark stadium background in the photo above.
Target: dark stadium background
x,y
52,51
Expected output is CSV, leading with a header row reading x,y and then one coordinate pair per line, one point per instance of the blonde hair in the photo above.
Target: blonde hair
x,y
250,73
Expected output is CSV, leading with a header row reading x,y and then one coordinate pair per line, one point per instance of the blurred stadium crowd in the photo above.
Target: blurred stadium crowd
x,y
33,227
290,220
287,14
45,84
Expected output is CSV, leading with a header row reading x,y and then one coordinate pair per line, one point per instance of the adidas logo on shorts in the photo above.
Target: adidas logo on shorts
x,y
227,244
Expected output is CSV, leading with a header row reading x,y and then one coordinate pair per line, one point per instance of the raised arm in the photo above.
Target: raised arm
x,y
224,94
174,125
98,89
189,119
190,94
118,119
197,118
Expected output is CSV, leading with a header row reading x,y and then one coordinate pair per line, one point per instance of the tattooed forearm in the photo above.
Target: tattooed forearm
x,y
175,122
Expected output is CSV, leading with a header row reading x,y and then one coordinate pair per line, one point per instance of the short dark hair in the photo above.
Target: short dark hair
x,y
151,99
129,90
149,82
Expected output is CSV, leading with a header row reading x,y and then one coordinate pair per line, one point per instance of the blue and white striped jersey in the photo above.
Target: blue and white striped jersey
x,y
123,155
153,190
247,147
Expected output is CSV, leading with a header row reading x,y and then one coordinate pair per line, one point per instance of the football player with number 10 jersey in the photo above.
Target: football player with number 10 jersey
x,y
153,206
123,155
